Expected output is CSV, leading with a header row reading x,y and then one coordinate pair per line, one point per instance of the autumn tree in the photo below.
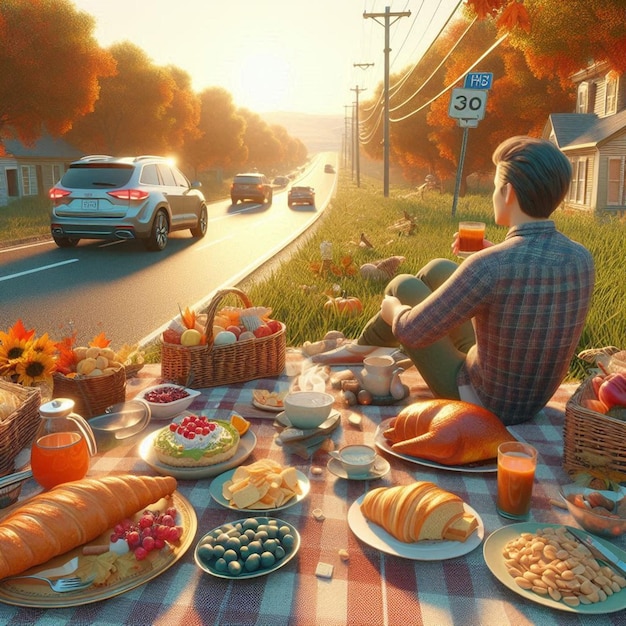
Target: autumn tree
x,y
42,45
219,141
264,150
143,109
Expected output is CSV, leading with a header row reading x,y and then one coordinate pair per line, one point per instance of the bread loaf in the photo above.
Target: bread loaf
x,y
72,514
418,512
450,432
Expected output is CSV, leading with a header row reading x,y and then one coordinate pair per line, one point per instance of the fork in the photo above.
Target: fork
x,y
61,585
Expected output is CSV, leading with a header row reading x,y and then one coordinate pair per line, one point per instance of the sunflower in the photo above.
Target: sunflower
x,y
34,367
12,350
44,344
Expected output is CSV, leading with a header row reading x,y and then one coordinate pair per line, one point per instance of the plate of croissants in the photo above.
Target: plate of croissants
x,y
93,529
444,434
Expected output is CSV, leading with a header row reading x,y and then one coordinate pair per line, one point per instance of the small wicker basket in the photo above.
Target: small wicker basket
x,y
92,395
18,429
212,366
591,440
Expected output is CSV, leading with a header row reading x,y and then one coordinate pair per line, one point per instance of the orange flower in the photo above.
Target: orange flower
x,y
188,318
100,341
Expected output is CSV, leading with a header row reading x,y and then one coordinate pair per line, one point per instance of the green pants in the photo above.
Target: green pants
x,y
439,362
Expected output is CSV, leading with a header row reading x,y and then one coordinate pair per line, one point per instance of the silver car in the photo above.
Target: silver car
x,y
143,197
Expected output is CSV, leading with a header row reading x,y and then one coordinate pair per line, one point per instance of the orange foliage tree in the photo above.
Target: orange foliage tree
x,y
50,65
264,149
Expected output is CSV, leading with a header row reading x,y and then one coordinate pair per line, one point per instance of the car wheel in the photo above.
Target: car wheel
x,y
200,230
66,242
234,200
159,233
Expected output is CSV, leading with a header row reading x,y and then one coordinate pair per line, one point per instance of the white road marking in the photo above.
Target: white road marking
x,y
37,269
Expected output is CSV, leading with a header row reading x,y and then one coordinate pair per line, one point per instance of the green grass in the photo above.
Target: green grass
x,y
297,294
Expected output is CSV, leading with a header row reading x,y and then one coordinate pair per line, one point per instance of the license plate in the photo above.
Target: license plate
x,y
90,205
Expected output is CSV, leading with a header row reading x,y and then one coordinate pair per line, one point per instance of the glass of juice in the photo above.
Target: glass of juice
x,y
516,473
471,235
58,458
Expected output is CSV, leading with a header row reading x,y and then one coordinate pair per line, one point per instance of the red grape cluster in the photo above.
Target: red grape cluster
x,y
150,532
192,425
163,395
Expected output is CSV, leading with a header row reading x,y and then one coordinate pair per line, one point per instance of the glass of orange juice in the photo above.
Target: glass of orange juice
x,y
471,235
516,474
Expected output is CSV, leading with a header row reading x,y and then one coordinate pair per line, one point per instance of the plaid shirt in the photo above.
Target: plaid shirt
x,y
528,298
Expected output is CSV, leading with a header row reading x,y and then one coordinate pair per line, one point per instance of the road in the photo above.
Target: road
x,y
131,294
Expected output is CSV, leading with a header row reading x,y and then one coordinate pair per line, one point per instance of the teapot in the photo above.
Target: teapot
x,y
63,444
380,375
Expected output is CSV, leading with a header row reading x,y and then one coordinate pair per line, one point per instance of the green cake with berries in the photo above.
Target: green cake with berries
x,y
196,441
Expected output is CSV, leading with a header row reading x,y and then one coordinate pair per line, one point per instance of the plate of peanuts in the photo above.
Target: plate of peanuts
x,y
545,563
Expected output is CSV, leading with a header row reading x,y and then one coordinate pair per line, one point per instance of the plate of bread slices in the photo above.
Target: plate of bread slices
x,y
444,434
94,530
419,521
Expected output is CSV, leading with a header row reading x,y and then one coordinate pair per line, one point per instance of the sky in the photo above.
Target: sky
x,y
276,55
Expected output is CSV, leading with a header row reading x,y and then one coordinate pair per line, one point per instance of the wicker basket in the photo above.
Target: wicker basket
x,y
211,366
591,440
18,429
92,395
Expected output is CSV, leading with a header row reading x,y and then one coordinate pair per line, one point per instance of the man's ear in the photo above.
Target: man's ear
x,y
509,194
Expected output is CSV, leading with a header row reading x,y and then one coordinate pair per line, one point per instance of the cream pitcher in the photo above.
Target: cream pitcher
x,y
62,446
379,375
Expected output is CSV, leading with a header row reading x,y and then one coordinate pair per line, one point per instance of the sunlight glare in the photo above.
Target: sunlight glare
x,y
265,82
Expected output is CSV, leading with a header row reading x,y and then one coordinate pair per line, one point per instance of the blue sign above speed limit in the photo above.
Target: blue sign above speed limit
x,y
468,104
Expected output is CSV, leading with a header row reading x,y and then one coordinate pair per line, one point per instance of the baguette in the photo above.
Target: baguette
x,y
72,514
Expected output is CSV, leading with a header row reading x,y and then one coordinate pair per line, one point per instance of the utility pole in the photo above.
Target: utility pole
x,y
387,23
357,140
346,146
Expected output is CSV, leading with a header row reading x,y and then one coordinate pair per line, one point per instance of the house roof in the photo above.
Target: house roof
x,y
585,130
44,147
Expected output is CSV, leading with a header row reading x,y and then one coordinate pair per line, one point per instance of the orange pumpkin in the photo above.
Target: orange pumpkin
x,y
344,305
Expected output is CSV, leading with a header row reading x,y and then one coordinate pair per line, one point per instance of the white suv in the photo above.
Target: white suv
x,y
144,197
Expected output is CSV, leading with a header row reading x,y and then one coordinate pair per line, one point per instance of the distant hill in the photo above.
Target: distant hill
x,y
319,133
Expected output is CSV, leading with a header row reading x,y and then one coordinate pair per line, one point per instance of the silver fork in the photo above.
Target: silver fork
x,y
61,585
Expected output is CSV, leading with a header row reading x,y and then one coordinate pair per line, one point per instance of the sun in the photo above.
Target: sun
x,y
264,82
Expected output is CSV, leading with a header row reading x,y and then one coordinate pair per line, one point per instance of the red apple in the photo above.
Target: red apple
x,y
262,331
171,336
274,325
235,330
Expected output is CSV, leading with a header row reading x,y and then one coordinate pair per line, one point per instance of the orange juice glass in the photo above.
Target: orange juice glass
x,y
516,473
59,458
471,235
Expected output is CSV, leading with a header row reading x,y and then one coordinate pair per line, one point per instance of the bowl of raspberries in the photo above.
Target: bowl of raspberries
x,y
167,400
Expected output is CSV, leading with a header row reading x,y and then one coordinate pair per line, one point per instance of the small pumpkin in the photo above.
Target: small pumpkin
x,y
344,305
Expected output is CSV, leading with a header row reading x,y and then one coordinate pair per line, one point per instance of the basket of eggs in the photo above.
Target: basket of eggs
x,y
229,344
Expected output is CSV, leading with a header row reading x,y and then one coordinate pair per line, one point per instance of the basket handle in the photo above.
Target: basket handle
x,y
215,304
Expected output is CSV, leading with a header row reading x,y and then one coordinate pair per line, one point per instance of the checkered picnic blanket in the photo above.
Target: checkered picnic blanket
x,y
371,588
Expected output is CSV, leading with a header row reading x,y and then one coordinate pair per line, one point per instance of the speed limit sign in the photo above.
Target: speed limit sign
x,y
468,104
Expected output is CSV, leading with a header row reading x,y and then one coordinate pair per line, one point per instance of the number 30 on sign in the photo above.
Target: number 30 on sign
x,y
468,104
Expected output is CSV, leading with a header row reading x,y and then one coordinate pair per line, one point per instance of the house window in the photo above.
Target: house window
x,y
29,180
610,103
578,187
615,182
583,98
57,172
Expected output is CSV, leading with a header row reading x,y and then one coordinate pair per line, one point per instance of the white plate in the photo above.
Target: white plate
x,y
381,467
492,551
247,443
431,550
383,444
207,567
215,489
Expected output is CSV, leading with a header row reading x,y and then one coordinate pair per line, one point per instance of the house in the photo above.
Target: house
x,y
32,170
594,140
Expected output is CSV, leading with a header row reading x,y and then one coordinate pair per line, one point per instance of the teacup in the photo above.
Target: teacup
x,y
356,459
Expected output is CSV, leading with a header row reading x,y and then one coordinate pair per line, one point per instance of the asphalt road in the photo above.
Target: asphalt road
x,y
132,294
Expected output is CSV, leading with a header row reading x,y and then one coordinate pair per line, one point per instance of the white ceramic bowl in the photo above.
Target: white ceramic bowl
x,y
307,409
160,407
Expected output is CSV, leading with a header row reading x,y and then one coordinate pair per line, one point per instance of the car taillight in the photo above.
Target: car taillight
x,y
129,194
56,194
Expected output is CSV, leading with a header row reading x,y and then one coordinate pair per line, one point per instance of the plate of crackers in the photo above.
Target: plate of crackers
x,y
264,485
268,400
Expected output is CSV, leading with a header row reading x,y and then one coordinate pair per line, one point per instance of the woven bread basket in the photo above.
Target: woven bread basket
x,y
92,395
211,366
18,429
592,440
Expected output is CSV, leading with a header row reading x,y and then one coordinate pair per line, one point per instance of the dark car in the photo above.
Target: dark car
x,y
301,195
143,197
329,169
280,181
252,186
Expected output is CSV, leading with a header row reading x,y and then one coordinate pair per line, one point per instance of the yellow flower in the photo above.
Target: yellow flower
x,y
11,351
35,366
44,344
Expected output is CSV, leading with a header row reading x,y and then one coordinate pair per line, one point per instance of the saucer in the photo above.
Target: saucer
x,y
381,467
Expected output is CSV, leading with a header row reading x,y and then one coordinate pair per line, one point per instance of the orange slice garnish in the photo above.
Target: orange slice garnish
x,y
240,423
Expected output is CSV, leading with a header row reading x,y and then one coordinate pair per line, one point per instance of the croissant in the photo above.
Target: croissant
x,y
450,432
67,516
418,512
